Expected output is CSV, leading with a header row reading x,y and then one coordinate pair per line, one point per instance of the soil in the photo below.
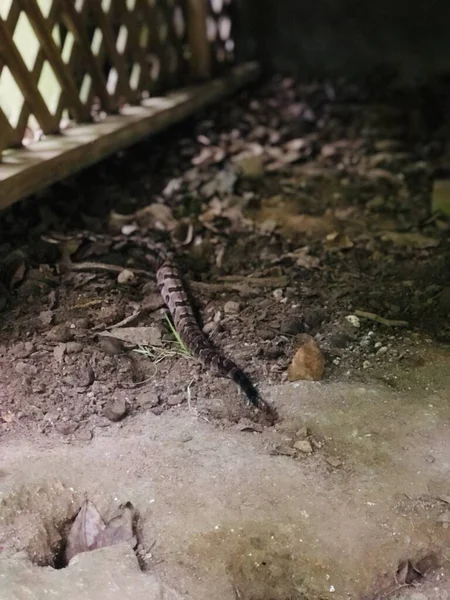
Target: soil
x,y
327,230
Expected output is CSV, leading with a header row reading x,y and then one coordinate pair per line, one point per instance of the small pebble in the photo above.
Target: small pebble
x,y
176,399
110,345
353,320
303,446
125,276
60,333
278,294
74,347
231,308
58,352
67,428
24,368
366,364
334,461
115,409
147,399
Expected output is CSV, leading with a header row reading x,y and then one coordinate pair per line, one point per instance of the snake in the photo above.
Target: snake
x,y
170,281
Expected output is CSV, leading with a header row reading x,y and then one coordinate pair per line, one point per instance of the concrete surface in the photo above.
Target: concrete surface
x,y
222,515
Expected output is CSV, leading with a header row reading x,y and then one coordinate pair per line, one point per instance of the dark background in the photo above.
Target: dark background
x,y
409,39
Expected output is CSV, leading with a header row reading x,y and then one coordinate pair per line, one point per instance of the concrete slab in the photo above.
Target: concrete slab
x,y
224,515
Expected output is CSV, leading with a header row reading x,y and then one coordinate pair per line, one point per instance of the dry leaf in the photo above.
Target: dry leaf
x,y
308,362
119,529
409,240
84,531
90,532
338,241
138,336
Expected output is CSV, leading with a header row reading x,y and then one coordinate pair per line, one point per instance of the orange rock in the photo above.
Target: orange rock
x,y
308,362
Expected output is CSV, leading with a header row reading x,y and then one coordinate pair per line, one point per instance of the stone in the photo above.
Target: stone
x,y
303,446
231,308
110,573
115,409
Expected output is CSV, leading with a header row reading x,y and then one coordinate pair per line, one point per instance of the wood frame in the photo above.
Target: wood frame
x,y
25,171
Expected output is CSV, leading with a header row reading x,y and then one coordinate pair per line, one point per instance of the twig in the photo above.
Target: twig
x,y
382,320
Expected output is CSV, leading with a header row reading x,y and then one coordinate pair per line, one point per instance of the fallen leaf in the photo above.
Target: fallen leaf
x,y
138,336
84,531
90,532
250,166
338,241
409,240
308,362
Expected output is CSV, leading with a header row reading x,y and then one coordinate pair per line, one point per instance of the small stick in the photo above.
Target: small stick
x,y
382,320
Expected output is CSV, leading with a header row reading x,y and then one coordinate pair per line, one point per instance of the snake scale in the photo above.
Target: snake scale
x,y
171,286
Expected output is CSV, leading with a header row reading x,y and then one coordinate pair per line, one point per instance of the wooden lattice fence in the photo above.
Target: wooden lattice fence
x,y
81,78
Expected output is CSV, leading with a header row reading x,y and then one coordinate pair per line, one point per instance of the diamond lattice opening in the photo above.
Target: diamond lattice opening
x,y
5,7
144,36
135,76
67,50
178,21
122,38
85,89
224,28
217,6
26,41
211,29
96,43
111,84
106,6
45,7
49,88
131,4
11,98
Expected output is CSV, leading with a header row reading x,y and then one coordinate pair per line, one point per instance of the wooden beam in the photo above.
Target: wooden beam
x,y
26,171
199,46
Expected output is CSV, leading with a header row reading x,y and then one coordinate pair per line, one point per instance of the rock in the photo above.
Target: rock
x,y
147,399
110,573
46,317
74,347
60,333
67,428
176,399
125,276
22,349
250,166
353,320
334,461
303,446
292,326
111,345
24,368
115,409
308,362
231,308
58,352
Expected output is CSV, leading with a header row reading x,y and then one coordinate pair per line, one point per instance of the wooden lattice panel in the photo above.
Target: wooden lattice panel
x,y
219,31
64,61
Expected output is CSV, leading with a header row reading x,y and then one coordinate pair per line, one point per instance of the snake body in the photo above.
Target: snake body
x,y
171,286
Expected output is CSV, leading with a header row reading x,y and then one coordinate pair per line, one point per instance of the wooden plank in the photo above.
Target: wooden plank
x,y
27,86
24,172
201,59
44,34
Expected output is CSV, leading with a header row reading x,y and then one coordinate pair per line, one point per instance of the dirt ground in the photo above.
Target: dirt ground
x,y
297,210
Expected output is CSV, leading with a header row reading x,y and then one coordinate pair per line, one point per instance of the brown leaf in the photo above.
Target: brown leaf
x,y
84,531
338,241
138,336
308,362
409,240
119,529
